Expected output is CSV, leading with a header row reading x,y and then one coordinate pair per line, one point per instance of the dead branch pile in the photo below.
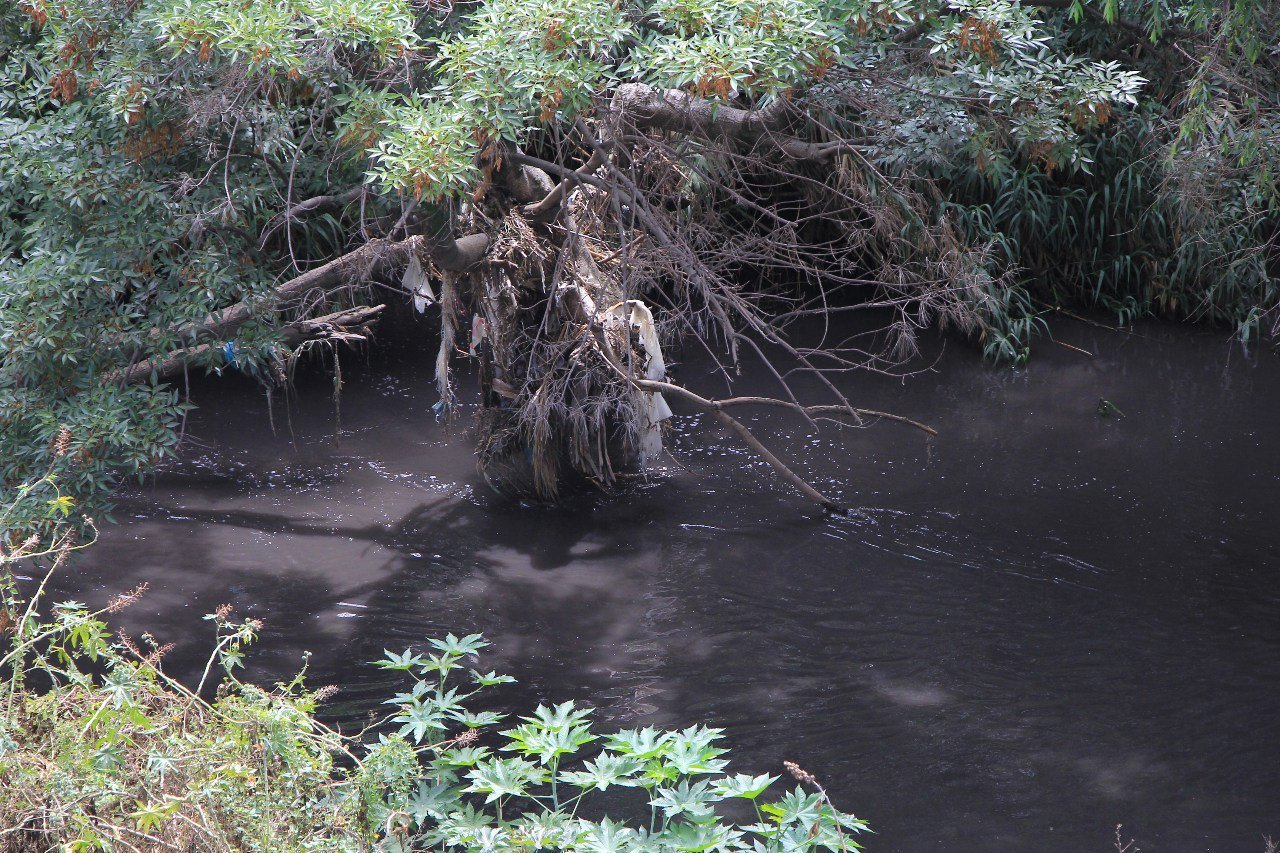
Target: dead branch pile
x,y
661,220
677,226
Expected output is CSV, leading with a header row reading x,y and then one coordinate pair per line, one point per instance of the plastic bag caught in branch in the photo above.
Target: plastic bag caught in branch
x,y
415,281
638,316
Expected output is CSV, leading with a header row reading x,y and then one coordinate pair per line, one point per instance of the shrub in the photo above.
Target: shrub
x,y
101,749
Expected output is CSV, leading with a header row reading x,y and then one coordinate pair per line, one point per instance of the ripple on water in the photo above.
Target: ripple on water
x,y
1035,626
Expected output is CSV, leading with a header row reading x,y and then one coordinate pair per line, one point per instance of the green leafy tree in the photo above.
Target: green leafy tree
x,y
207,184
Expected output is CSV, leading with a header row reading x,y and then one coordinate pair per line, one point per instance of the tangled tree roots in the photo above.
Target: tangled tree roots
x,y
546,328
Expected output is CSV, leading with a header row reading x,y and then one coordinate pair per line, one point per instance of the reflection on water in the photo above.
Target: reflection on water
x,y
1037,625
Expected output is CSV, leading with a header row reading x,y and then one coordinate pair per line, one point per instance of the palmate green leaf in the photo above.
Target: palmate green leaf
x,y
649,842
107,757
149,816
69,611
471,644
606,836
449,701
405,662
231,659
160,764
692,751
796,807
548,744
699,836
490,679
419,720
464,756
690,800
549,830
476,719
819,836
459,828
560,716
851,823
61,506
743,786
433,801
766,831
443,664
414,696
505,777
605,770
645,743
491,839
439,771
120,686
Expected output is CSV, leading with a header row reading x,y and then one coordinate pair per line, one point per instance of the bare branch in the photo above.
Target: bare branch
x,y
716,407
374,256
350,326
320,202
551,201
827,410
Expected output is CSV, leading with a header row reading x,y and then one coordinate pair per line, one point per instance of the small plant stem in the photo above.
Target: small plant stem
x,y
217,649
93,718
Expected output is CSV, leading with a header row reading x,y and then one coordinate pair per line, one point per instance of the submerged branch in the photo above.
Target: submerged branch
x,y
716,407
579,308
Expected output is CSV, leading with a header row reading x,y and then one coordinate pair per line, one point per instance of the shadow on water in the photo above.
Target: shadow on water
x,y
1040,624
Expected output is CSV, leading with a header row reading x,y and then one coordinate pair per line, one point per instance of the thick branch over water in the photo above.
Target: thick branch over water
x,y
350,326
376,256
675,111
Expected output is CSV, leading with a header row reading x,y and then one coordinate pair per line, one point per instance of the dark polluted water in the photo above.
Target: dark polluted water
x,y
1035,626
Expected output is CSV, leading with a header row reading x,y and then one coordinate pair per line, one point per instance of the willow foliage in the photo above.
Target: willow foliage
x,y
164,160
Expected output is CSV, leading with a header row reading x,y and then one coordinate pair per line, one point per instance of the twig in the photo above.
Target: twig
x,y
827,410
1071,347
717,408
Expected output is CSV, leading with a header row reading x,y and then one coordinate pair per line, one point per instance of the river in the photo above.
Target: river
x,y
1037,625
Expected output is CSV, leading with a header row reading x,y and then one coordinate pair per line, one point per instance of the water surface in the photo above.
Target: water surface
x,y
1035,626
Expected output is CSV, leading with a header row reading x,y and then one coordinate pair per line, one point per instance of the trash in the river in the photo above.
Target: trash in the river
x,y
640,318
479,330
1106,408
415,281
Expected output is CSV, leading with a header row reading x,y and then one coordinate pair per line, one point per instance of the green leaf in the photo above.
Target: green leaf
x,y
471,644
691,800
607,769
404,662
744,786
504,777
